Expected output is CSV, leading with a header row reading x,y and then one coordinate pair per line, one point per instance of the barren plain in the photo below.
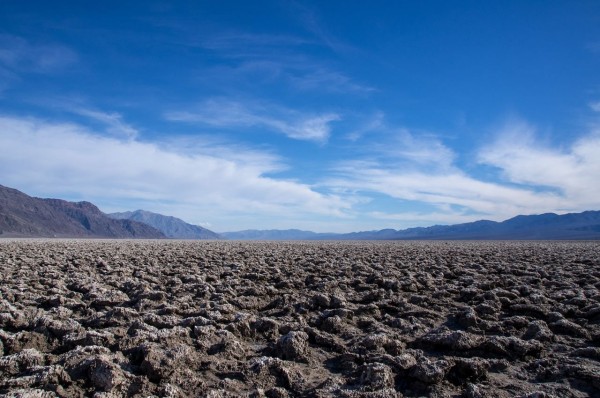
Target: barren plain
x,y
299,319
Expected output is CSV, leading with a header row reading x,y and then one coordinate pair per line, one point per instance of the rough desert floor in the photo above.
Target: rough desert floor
x,y
299,319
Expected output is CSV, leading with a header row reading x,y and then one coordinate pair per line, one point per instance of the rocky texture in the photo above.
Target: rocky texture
x,y
22,215
223,319
172,227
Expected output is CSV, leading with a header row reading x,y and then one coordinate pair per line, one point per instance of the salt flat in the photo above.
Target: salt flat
x,y
277,319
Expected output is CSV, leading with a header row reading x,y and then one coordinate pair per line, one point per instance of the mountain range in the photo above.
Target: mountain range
x,y
172,227
25,216
585,225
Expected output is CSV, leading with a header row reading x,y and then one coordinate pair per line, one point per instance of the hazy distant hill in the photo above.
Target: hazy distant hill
x,y
23,215
584,225
271,234
170,226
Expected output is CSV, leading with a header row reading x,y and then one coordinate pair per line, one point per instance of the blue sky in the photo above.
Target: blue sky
x,y
332,116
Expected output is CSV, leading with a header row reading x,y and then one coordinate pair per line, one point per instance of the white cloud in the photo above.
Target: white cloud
x,y
537,178
58,159
574,171
446,188
228,114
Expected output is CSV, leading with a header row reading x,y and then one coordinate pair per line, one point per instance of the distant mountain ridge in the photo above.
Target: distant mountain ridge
x,y
272,234
172,227
24,216
585,225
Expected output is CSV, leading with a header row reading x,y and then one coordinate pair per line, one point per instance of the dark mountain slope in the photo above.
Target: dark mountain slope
x,y
23,215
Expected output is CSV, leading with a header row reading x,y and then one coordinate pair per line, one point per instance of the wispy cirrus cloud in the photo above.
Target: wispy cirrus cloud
x,y
440,189
20,55
232,114
106,122
311,21
201,185
283,58
374,124
235,44
112,120
409,150
327,80
399,146
297,72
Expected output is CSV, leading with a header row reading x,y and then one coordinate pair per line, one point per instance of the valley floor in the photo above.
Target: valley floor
x,y
299,319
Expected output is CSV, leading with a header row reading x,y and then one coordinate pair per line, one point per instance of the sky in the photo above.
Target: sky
x,y
330,116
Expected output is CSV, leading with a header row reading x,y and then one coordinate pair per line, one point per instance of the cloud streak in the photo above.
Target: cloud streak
x,y
442,189
324,79
113,121
232,114
249,45
400,147
20,55
281,58
310,20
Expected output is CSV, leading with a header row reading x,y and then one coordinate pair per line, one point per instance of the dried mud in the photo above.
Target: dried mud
x,y
302,319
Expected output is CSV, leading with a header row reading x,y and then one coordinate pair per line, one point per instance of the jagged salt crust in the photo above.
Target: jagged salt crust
x,y
301,319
